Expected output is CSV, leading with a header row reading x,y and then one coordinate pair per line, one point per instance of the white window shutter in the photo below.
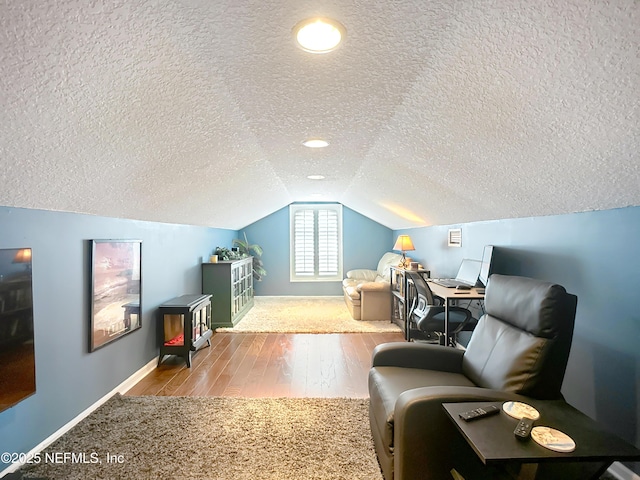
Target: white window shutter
x,y
316,242
303,242
328,238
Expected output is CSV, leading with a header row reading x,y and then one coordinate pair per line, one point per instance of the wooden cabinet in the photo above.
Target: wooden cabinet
x,y
401,298
185,325
231,284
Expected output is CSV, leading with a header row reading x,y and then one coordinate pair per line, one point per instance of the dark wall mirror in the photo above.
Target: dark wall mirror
x,y
17,353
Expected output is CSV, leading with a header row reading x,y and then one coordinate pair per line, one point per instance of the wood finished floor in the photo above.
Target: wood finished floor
x,y
270,365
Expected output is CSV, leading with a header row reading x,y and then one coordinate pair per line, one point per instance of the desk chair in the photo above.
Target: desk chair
x,y
427,312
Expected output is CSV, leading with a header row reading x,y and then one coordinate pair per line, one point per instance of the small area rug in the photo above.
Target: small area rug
x,y
304,315
217,438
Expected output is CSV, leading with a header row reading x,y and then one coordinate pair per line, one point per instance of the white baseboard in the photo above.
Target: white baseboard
x,y
123,388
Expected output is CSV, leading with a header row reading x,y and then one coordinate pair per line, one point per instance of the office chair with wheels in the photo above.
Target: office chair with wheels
x,y
428,313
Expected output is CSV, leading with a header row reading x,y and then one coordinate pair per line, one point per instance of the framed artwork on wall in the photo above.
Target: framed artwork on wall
x,y
116,285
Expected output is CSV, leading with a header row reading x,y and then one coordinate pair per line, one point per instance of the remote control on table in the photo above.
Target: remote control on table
x,y
523,429
479,413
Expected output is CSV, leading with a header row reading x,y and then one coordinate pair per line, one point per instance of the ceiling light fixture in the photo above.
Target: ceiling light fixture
x,y
318,35
315,177
315,143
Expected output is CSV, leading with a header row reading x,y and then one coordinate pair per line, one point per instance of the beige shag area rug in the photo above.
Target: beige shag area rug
x,y
304,315
217,438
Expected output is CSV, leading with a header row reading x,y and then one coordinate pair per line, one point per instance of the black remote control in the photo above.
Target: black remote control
x,y
523,429
479,413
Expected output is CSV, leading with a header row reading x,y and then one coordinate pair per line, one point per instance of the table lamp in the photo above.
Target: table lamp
x,y
404,244
23,256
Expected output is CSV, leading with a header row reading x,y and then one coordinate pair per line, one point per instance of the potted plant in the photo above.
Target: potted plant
x,y
246,250
224,253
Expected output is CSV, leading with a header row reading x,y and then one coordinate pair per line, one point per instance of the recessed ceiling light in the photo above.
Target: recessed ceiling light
x,y
315,177
318,35
315,143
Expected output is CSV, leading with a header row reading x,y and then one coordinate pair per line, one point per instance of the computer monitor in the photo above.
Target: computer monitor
x,y
468,272
485,268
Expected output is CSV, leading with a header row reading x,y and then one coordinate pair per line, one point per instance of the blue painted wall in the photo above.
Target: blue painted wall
x,y
365,241
595,255
68,378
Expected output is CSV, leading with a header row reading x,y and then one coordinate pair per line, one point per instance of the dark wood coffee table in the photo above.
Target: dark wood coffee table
x,y
493,441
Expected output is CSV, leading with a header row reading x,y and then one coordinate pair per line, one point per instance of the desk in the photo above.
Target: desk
x,y
493,441
447,294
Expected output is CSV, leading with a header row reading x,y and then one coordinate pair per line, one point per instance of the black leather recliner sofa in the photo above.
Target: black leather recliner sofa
x,y
519,348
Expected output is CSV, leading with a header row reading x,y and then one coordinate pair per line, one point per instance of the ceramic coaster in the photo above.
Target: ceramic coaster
x,y
553,439
520,410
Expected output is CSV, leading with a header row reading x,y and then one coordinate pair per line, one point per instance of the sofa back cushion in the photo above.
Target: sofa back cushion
x,y
387,261
522,342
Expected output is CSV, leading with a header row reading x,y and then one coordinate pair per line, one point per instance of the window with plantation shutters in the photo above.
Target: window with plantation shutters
x,y
316,242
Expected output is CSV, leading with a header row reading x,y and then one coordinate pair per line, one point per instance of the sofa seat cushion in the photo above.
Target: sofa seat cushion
x,y
378,283
352,292
386,384
350,282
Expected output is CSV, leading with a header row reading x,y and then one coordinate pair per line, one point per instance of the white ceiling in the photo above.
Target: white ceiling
x,y
438,112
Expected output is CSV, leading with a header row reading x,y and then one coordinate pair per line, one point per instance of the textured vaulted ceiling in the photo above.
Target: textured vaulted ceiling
x,y
438,111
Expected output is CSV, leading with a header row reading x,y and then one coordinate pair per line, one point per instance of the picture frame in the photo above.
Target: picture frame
x,y
116,287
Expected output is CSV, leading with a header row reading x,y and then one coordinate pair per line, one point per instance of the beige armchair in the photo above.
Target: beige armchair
x,y
366,292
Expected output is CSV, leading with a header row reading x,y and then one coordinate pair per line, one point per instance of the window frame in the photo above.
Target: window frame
x,y
315,207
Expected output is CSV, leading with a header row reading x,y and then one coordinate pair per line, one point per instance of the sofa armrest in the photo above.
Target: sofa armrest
x,y
374,287
417,355
436,396
363,273
425,439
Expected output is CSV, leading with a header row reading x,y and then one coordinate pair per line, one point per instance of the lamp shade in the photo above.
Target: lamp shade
x,y
404,243
23,256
